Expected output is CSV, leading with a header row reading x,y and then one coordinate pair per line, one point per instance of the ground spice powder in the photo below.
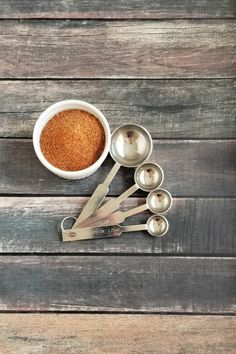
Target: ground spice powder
x,y
72,140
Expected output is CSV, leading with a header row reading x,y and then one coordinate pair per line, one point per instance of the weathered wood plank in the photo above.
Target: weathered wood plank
x,y
31,225
49,334
115,283
192,168
100,9
103,49
168,108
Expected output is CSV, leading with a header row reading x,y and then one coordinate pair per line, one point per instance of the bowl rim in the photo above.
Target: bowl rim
x,y
48,114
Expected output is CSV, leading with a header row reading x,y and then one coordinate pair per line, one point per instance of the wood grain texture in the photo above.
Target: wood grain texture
x,y
197,227
99,334
100,9
192,168
167,108
107,49
118,283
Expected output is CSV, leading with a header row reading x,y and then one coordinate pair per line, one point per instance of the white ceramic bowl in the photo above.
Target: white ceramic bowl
x,y
59,107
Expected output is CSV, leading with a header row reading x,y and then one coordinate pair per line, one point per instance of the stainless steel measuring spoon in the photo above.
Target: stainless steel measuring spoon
x,y
147,177
158,201
157,225
131,145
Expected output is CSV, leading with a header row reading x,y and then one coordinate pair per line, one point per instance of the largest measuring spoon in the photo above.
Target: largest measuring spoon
x,y
131,145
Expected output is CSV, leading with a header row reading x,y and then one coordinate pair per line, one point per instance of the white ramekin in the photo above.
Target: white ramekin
x,y
48,114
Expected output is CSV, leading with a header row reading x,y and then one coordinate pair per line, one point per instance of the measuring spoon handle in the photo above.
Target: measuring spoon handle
x,y
108,208
97,197
118,217
132,228
99,232
94,201
90,233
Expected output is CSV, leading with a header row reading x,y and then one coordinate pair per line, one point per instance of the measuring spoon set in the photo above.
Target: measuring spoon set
x,y
131,146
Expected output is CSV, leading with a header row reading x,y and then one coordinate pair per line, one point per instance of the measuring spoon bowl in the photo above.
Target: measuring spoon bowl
x,y
131,145
149,176
159,201
157,225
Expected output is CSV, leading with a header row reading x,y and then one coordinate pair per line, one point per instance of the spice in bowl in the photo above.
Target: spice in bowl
x,y
72,140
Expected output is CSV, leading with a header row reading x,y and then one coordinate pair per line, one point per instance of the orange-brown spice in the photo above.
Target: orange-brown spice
x,y
72,140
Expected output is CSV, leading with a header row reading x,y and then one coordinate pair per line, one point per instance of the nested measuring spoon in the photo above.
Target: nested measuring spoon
x,y
147,177
158,201
131,145
157,225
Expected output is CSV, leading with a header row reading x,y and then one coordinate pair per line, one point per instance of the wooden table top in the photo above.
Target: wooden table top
x,y
170,67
